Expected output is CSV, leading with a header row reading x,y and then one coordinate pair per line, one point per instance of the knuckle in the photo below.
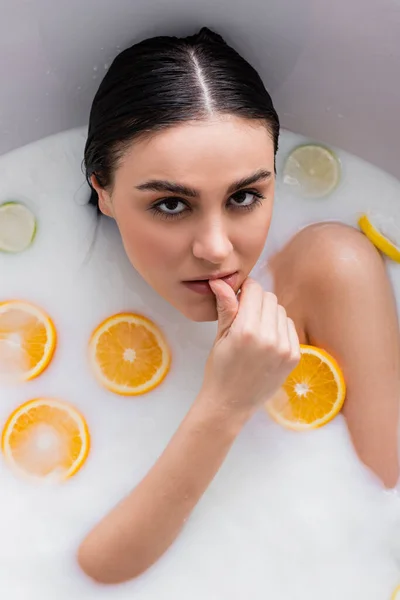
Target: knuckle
x,y
295,357
269,345
285,352
271,297
248,335
268,340
282,310
251,284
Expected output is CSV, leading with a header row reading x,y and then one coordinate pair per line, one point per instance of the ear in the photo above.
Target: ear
x,y
105,204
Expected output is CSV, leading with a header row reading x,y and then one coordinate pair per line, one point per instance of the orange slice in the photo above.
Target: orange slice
x,y
129,354
46,438
27,340
312,395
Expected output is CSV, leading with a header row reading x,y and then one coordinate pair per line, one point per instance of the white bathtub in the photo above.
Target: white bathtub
x,y
333,68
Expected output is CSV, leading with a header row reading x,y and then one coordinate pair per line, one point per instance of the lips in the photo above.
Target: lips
x,y
203,287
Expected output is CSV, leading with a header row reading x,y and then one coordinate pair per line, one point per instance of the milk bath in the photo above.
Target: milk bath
x,y
289,515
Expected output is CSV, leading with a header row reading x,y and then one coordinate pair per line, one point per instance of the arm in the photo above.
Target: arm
x,y
255,349
352,314
139,529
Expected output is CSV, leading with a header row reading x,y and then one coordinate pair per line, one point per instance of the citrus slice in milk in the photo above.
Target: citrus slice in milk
x,y
27,340
383,233
312,171
17,227
129,354
46,438
396,594
312,395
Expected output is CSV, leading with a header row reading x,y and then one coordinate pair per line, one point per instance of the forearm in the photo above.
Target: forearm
x,y
139,530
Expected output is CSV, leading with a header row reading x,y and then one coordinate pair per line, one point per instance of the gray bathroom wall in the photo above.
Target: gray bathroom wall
x,y
333,68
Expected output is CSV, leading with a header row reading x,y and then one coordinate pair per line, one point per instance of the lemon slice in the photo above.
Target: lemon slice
x,y
17,227
396,594
383,233
312,171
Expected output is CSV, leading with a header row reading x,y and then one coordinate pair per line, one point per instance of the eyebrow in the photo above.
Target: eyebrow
x,y
159,185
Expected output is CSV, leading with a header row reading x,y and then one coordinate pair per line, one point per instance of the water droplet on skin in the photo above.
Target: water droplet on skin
x,y
106,65
94,77
95,68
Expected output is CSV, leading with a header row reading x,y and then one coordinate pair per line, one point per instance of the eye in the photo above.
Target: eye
x,y
170,207
246,199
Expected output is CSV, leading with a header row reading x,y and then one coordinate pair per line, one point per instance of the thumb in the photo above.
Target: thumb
x,y
227,304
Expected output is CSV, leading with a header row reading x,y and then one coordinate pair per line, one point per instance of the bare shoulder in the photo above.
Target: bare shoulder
x,y
333,235
324,264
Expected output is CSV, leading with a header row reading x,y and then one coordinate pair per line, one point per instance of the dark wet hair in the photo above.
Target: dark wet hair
x,y
162,81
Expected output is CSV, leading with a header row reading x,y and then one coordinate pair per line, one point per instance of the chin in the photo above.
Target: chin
x,y
201,313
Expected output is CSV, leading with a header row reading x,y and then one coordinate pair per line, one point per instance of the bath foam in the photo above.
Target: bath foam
x,y
289,515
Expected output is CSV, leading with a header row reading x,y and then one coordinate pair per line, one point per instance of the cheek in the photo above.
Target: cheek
x,y
148,247
253,242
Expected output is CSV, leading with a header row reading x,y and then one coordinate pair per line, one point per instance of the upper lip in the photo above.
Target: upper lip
x,y
214,276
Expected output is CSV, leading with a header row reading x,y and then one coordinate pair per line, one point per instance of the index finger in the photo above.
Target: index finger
x,y
250,303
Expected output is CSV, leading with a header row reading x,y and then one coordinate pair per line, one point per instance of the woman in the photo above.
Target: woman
x,y
181,153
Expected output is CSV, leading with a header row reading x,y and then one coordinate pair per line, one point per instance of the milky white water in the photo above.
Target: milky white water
x,y
289,515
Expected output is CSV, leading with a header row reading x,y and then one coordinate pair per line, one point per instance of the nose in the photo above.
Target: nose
x,y
212,242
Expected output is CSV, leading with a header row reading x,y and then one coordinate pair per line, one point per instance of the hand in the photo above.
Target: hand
x,y
256,347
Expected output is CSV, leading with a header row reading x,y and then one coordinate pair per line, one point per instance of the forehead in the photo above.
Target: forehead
x,y
217,150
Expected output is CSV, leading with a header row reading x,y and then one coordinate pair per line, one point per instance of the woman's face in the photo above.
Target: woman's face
x,y
193,203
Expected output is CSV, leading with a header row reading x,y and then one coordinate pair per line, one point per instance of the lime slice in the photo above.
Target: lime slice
x,y
396,594
383,233
17,227
312,171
